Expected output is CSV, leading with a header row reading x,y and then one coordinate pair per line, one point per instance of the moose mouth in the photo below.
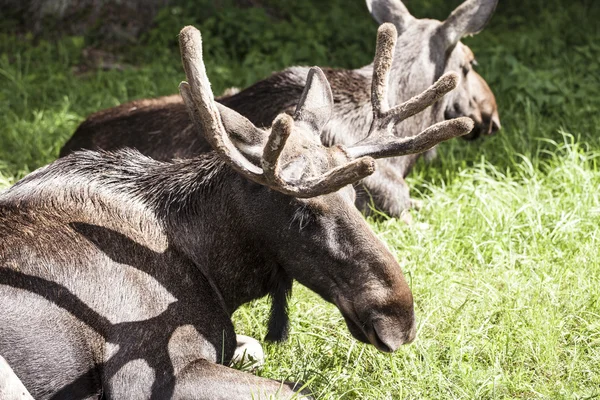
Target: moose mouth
x,y
368,332
367,335
486,125
479,131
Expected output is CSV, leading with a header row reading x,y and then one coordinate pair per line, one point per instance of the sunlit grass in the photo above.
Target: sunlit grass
x,y
5,181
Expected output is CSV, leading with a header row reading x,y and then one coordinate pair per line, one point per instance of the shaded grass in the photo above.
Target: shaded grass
x,y
503,259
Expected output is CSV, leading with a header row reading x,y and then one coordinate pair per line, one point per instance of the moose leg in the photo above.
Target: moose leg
x,y
202,379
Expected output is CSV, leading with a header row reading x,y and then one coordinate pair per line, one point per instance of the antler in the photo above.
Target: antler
x,y
357,162
200,102
328,182
380,141
205,115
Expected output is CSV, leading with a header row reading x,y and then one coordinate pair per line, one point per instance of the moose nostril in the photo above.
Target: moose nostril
x,y
388,336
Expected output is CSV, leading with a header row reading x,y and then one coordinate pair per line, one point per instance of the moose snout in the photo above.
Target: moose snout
x,y
477,103
388,334
486,123
386,328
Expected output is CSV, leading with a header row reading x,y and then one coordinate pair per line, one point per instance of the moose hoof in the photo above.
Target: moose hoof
x,y
248,354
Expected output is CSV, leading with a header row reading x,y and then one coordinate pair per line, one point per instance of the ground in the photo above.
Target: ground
x,y
502,259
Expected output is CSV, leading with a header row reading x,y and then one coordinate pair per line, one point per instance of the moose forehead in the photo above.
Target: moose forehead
x,y
304,155
418,38
423,40
328,207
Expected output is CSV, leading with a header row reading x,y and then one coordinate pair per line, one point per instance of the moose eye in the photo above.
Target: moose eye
x,y
468,67
465,69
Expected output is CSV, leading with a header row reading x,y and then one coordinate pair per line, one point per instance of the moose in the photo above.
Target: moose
x,y
119,273
426,48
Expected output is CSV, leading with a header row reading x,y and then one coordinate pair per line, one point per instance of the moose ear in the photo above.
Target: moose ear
x,y
316,103
393,11
467,19
247,138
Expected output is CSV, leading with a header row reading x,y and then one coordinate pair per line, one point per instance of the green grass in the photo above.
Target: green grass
x,y
503,259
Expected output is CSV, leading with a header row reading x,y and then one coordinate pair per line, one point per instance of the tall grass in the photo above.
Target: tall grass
x,y
503,258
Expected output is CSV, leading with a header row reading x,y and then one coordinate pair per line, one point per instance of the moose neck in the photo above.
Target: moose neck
x,y
192,207
205,221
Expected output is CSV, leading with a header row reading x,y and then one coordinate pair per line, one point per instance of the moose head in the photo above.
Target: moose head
x,y
444,52
331,250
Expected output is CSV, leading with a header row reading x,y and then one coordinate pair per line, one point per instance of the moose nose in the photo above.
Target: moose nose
x,y
387,336
411,335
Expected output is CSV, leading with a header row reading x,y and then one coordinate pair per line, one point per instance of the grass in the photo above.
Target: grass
x,y
503,259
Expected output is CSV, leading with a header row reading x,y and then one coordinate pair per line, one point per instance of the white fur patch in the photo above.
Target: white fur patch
x,y
248,354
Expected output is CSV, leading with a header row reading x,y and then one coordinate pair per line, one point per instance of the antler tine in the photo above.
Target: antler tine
x,y
382,63
424,141
339,177
198,87
280,132
199,100
418,103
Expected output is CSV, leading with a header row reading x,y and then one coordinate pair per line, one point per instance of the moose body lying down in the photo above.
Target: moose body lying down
x,y
161,129
119,273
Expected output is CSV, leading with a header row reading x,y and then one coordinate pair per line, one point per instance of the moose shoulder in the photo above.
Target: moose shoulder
x,y
426,49
119,273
